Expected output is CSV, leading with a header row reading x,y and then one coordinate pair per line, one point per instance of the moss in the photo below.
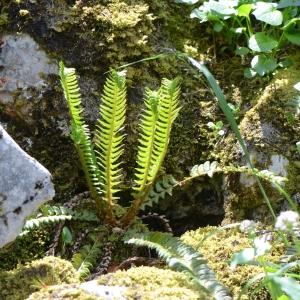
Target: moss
x,y
218,249
63,292
19,283
149,283
24,249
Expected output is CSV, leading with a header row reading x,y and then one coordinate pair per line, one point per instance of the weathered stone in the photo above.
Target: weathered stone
x,y
24,186
23,65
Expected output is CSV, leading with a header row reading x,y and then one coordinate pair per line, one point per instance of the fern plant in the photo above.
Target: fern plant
x,y
184,258
101,161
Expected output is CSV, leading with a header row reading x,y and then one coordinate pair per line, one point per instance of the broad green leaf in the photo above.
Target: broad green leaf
x,y
190,2
268,13
199,14
285,63
263,64
293,36
288,3
242,50
260,42
244,10
245,256
288,285
249,73
298,146
66,235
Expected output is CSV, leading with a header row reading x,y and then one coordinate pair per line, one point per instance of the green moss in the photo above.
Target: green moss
x,y
218,250
63,292
149,283
19,283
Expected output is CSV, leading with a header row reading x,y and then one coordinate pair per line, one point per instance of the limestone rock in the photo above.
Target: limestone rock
x,y
106,292
24,186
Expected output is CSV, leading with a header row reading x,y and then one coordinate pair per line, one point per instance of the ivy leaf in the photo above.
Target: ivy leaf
x,y
66,235
268,13
260,42
244,10
263,64
245,256
190,2
200,14
288,3
226,7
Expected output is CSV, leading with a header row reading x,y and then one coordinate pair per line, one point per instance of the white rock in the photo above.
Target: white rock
x,y
24,186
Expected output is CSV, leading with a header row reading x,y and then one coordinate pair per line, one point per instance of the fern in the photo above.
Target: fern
x,y
168,109
109,137
159,191
146,140
35,223
207,168
80,132
86,259
162,108
182,257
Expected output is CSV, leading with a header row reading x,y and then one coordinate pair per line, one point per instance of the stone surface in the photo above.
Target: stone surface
x,y
106,292
24,186
23,65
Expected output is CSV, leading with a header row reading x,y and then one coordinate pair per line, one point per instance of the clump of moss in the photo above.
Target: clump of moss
x,y
19,283
63,292
218,248
152,283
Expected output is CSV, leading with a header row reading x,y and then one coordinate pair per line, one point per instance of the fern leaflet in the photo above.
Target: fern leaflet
x,y
146,140
182,257
108,135
79,130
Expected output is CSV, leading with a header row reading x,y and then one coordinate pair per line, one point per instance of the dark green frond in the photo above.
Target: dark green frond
x,y
182,257
158,191
109,134
86,259
79,130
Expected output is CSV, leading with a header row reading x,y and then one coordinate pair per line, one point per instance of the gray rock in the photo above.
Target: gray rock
x,y
23,65
24,186
103,291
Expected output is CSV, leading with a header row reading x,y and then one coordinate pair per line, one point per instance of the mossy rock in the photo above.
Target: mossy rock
x,y
218,248
19,283
149,283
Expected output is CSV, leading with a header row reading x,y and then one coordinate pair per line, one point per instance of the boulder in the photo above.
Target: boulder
x,y
24,186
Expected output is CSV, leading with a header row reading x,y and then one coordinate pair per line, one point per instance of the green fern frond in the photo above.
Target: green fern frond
x,y
35,223
159,191
79,130
146,140
86,259
109,134
168,109
182,257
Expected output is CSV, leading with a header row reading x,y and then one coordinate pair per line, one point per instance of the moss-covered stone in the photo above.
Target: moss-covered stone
x,y
19,283
63,292
149,283
219,246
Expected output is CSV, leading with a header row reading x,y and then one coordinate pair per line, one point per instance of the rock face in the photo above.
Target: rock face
x,y
24,186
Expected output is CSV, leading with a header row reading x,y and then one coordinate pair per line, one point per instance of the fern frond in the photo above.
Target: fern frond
x,y
86,259
35,223
208,168
79,130
108,134
159,191
182,257
146,140
168,109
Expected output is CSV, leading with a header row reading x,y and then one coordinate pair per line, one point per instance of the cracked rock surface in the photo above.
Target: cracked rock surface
x,y
24,185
